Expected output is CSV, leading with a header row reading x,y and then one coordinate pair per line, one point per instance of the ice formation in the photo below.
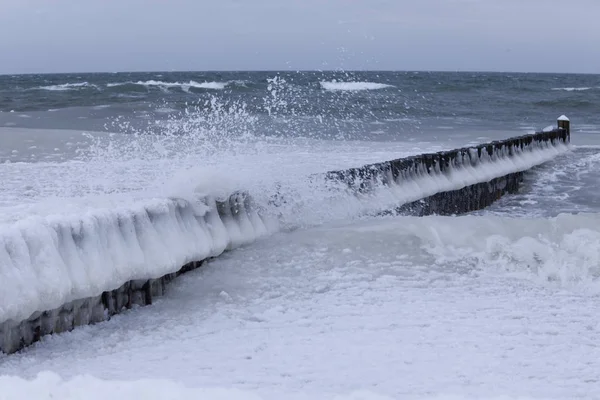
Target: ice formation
x,y
47,262
422,176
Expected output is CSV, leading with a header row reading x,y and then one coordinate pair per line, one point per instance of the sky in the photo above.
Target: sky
x,y
163,35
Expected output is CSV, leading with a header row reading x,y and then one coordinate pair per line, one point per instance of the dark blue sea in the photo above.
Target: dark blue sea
x,y
370,105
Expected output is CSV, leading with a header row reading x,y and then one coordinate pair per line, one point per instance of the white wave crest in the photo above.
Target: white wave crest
x,y
67,86
352,86
185,86
575,89
564,250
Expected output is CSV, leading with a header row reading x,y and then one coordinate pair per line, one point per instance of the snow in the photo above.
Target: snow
x,y
422,308
549,128
51,386
353,86
563,118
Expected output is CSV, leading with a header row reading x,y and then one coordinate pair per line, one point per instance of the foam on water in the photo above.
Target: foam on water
x,y
352,86
567,185
563,250
576,89
68,86
185,86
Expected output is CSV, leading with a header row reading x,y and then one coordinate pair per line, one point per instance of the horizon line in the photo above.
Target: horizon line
x,y
319,70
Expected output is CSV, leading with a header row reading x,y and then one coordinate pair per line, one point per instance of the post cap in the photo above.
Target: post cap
x,y
563,118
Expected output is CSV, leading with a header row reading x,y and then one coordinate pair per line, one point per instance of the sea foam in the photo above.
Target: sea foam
x,y
575,89
353,86
185,86
68,86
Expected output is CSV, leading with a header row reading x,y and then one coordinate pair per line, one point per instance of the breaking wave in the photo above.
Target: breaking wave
x,y
562,251
68,86
352,86
185,86
576,89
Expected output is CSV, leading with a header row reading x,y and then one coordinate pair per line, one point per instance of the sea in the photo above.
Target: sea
x,y
343,301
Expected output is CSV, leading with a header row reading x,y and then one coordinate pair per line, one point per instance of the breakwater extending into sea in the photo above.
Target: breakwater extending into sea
x,y
59,274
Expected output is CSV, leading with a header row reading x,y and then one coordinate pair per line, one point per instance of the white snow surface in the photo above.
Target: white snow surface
x,y
353,86
50,386
473,307
549,128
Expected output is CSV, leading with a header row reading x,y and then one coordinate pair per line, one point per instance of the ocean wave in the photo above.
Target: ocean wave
x,y
352,86
562,250
185,86
67,86
576,89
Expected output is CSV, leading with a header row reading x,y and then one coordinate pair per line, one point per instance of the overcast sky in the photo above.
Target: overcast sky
x,y
151,35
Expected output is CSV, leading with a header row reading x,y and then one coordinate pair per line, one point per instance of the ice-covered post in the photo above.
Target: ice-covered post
x,y
565,123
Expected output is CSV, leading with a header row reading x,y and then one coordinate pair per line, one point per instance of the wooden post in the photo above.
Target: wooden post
x,y
565,123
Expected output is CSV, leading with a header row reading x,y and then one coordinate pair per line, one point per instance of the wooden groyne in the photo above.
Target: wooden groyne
x,y
17,333
464,199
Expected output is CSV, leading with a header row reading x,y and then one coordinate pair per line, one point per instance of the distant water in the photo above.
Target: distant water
x,y
371,105
269,128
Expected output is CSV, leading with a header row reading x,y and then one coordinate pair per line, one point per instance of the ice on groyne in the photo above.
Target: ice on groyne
x,y
47,262
418,177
